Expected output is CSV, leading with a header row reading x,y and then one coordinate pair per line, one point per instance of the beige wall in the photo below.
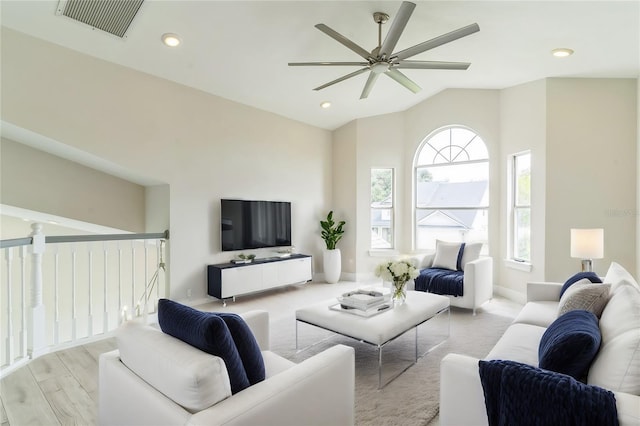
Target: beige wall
x,y
591,170
203,146
522,128
35,180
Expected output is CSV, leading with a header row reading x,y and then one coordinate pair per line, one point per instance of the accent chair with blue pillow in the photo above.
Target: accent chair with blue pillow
x,y
456,270
157,378
586,342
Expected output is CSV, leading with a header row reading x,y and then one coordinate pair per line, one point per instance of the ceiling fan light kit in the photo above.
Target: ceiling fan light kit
x,y
382,60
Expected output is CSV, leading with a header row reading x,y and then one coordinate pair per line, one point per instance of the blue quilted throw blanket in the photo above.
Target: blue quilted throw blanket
x,y
440,281
518,394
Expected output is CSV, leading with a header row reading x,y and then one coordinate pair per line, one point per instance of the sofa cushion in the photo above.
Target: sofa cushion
x,y
470,253
584,295
247,346
617,365
190,377
616,275
591,276
446,255
519,343
540,313
570,343
207,332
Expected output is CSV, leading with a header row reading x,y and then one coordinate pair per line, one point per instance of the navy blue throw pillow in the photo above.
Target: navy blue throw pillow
x,y
570,343
459,264
591,276
207,332
248,347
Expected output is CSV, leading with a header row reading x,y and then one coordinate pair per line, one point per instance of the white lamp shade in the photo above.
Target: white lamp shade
x,y
587,243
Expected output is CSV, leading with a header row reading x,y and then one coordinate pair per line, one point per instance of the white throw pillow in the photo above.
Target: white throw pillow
x,y
584,295
617,365
446,255
617,275
622,312
190,377
471,252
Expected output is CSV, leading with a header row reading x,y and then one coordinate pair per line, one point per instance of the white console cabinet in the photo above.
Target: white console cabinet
x,y
228,280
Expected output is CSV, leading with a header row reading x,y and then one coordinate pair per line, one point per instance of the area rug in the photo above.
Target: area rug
x,y
413,397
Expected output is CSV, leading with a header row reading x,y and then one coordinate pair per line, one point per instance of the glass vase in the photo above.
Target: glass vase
x,y
399,292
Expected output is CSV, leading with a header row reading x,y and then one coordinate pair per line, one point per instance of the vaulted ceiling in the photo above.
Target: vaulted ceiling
x,y
239,50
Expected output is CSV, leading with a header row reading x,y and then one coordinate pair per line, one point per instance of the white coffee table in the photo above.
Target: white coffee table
x,y
380,329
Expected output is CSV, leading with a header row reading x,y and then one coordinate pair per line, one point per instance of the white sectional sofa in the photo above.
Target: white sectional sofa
x,y
156,379
616,366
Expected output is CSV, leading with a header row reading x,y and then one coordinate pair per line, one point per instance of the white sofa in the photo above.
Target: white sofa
x,y
161,370
620,328
477,282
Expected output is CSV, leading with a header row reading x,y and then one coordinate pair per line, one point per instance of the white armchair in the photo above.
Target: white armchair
x,y
477,283
317,391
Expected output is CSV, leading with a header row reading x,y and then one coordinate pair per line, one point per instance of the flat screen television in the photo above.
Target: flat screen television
x,y
246,224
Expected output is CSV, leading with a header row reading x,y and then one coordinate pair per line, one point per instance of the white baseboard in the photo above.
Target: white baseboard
x,y
510,294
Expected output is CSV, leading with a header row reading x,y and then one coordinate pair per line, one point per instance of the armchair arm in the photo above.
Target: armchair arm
x,y
628,407
318,391
461,393
478,280
258,322
543,291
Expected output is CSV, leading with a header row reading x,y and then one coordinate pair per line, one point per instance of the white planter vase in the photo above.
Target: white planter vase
x,y
332,265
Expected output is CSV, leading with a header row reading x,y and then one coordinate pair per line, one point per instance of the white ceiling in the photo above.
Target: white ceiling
x,y
239,50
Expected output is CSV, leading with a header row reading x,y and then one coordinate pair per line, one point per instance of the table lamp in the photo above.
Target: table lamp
x,y
587,244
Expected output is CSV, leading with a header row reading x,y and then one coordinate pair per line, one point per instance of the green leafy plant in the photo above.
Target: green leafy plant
x,y
331,232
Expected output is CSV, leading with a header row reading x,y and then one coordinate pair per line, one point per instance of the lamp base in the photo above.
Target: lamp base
x,y
587,265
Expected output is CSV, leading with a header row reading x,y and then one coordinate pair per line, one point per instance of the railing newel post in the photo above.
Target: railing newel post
x,y
36,341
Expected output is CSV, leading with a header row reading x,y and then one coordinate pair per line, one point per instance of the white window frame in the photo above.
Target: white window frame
x,y
390,209
514,207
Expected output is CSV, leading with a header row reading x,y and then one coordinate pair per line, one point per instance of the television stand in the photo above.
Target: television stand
x,y
228,280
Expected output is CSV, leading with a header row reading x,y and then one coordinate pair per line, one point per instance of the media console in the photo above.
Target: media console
x,y
228,280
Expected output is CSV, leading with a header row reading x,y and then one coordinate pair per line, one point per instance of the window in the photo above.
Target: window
x,y
521,207
382,208
451,188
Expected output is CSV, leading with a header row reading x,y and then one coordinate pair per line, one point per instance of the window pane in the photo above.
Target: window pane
x,y
381,229
522,171
381,208
381,187
522,234
452,145
451,225
455,185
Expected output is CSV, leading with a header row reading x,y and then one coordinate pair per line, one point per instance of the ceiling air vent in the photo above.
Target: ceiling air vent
x,y
112,16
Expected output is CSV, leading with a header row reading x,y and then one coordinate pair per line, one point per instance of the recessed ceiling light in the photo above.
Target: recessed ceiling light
x,y
325,104
170,39
562,52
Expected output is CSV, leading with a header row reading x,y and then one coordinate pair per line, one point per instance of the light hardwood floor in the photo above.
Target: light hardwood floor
x,y
61,388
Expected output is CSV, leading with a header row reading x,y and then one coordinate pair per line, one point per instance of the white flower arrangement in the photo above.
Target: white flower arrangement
x,y
397,271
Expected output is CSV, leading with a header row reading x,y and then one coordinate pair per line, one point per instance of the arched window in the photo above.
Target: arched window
x,y
451,188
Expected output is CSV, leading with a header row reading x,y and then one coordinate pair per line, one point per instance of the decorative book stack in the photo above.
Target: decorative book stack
x,y
364,302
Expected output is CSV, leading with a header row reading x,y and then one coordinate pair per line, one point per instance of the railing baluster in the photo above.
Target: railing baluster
x,y
121,309
56,295
9,344
145,296
135,309
73,293
23,301
105,313
90,328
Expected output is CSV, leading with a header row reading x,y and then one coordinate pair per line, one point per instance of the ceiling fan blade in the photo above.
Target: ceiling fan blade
x,y
397,27
432,65
373,76
404,80
344,77
304,64
438,41
343,40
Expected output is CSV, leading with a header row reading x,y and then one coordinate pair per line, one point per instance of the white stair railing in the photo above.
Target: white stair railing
x,y
76,291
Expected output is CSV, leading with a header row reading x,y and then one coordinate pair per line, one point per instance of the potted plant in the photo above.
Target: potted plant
x,y
332,262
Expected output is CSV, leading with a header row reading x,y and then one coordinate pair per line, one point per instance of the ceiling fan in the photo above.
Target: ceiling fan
x,y
382,60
